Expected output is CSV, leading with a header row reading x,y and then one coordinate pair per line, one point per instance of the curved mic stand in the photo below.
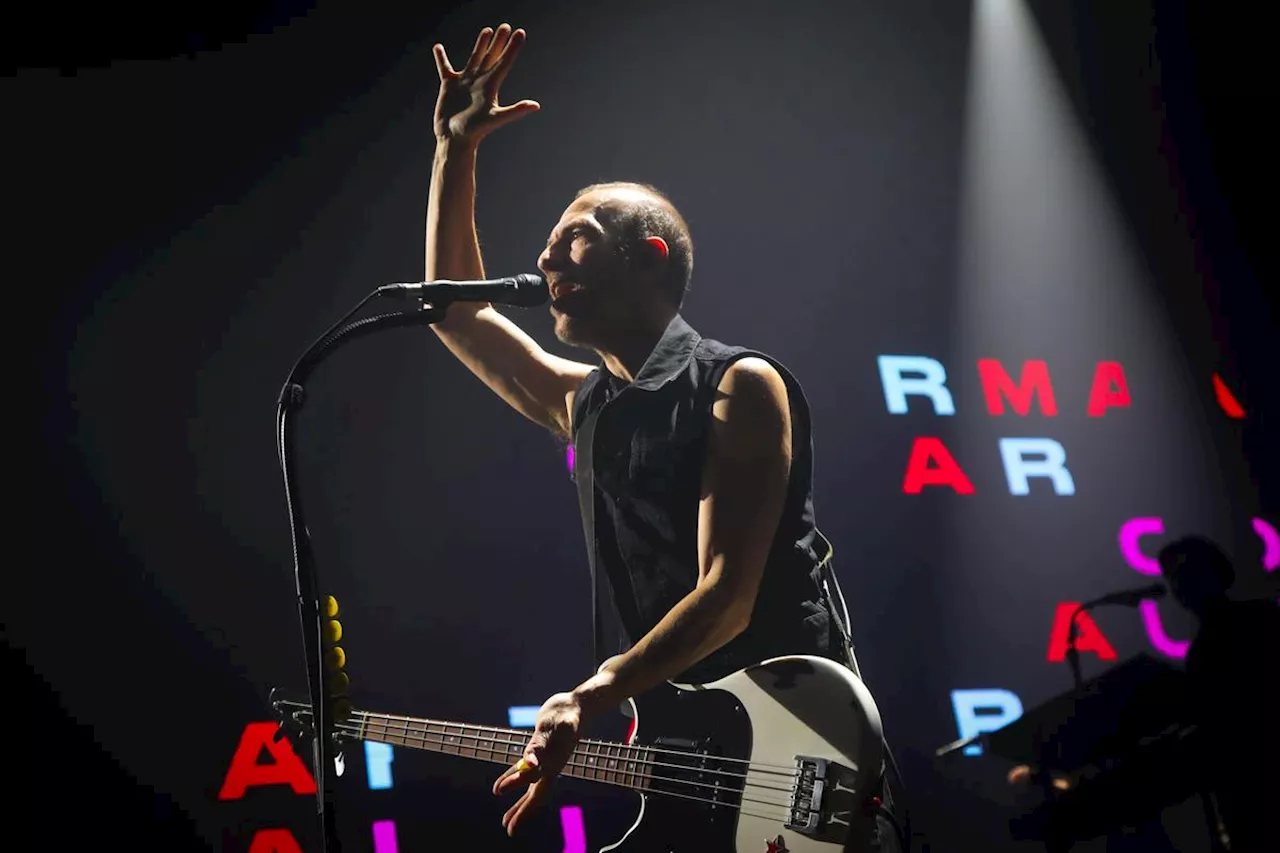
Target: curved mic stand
x,y
292,396
1073,654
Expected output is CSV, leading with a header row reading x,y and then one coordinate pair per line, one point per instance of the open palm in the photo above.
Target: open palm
x,y
467,108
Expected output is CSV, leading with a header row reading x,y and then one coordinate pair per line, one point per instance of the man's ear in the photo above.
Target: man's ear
x,y
659,247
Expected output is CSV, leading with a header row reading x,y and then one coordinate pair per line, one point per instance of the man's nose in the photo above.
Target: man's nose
x,y
548,262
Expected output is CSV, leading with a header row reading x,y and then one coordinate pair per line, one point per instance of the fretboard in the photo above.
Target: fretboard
x,y
597,761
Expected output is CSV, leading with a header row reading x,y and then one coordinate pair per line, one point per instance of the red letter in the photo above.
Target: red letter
x,y
245,772
1089,637
274,841
947,472
1102,395
1035,377
1226,399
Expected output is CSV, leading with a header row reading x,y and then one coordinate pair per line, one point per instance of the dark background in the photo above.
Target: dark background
x,y
195,196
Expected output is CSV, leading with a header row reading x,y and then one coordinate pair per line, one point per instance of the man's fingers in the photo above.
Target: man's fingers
x,y
532,798
478,52
515,807
512,49
524,770
442,62
505,115
493,55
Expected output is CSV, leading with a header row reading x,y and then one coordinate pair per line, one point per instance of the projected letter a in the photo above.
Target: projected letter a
x,y
274,841
946,472
285,769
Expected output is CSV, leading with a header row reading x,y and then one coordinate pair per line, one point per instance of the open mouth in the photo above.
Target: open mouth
x,y
567,295
561,288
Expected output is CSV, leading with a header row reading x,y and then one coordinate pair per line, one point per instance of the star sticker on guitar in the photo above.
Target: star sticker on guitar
x,y
776,846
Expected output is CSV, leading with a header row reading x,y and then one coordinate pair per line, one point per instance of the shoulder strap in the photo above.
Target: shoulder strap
x,y
587,502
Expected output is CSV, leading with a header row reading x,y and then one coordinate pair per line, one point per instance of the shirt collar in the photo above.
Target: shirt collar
x,y
670,356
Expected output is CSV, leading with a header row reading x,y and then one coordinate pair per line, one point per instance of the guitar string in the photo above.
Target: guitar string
x,y
367,718
358,730
585,765
590,767
588,755
763,767
792,773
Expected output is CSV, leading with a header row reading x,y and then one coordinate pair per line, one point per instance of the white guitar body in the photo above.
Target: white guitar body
x,y
797,706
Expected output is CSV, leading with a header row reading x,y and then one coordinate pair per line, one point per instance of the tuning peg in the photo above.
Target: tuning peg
x,y
333,631
339,684
330,607
335,658
341,709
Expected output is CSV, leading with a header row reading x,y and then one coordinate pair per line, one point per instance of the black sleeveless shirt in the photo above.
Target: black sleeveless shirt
x,y
648,454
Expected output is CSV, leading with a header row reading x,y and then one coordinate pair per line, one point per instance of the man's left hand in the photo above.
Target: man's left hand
x,y
555,734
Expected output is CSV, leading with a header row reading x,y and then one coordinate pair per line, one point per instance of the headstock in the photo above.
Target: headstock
x,y
295,718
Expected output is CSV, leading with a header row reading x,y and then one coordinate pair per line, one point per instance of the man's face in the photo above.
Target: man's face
x,y
1193,583
591,290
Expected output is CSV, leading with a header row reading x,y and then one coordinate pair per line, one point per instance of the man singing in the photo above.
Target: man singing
x,y
702,455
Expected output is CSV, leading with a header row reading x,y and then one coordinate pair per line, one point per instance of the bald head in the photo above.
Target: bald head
x,y
633,213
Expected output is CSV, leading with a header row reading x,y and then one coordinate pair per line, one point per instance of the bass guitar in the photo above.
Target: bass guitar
x,y
780,757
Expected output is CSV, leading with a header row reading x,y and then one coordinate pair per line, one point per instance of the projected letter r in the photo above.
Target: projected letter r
x,y
931,383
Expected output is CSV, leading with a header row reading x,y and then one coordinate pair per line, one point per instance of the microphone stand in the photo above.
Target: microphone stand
x,y
292,396
1073,654
1073,658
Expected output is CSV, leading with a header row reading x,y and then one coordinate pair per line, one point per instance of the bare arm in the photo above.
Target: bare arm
x,y
744,487
536,383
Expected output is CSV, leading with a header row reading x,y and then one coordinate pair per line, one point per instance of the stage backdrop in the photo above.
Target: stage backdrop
x,y
981,236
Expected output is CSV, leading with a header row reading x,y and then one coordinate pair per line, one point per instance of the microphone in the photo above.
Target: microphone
x,y
1123,598
1130,597
524,290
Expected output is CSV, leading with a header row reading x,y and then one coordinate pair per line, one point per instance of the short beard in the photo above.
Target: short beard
x,y
567,332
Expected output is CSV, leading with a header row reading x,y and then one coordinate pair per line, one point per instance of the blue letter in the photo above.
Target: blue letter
x,y
1007,707
1052,464
377,761
931,384
523,716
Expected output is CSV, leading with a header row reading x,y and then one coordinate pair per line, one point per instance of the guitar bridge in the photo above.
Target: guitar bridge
x,y
825,803
804,814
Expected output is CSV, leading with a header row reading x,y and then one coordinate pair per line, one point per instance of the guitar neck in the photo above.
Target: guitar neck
x,y
593,760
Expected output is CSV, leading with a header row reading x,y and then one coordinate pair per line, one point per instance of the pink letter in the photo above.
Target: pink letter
x,y
575,834
1155,630
1270,544
1130,532
384,837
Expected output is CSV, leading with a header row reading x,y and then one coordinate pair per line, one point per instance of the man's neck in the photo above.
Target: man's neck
x,y
631,348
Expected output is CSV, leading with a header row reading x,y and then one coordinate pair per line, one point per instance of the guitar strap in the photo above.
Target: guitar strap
x,y
836,607
587,501
839,611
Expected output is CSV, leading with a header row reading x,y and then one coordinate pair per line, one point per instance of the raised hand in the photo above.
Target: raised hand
x,y
467,109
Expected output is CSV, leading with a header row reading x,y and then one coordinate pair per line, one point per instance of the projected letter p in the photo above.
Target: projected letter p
x,y
998,707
